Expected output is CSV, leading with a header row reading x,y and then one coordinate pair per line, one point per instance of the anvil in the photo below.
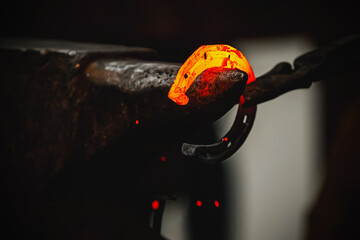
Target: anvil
x,y
71,99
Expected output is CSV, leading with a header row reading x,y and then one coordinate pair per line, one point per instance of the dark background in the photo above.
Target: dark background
x,y
176,28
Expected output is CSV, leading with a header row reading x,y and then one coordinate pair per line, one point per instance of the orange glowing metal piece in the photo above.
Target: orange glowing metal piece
x,y
205,57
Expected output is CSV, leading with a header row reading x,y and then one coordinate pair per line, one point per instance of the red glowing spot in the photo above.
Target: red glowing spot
x,y
225,139
137,122
205,57
163,158
77,65
217,204
155,204
198,203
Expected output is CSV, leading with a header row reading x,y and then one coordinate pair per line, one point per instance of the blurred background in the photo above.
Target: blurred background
x,y
283,183
177,28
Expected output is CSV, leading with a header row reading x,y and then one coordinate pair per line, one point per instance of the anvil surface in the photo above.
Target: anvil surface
x,y
83,127
68,100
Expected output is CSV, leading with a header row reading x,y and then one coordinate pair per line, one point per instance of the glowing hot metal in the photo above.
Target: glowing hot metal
x,y
205,57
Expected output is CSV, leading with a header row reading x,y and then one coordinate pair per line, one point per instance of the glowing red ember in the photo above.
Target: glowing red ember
x,y
155,204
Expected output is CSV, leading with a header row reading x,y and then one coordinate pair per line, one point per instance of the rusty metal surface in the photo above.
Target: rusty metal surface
x,y
46,98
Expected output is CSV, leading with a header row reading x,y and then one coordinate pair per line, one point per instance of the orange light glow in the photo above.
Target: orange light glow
x,y
137,122
205,57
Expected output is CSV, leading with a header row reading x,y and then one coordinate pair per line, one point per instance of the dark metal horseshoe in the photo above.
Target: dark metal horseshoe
x,y
229,144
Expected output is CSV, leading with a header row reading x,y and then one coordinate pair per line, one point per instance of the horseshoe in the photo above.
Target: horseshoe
x,y
230,143
203,58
